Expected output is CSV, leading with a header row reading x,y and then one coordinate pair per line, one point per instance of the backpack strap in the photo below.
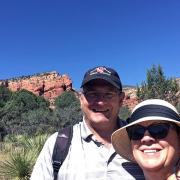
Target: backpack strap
x,y
61,148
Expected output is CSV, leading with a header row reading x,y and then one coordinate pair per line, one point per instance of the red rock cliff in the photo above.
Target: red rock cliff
x,y
49,84
130,99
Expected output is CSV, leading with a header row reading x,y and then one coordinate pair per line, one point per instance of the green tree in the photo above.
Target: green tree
x,y
16,111
67,112
5,95
26,100
158,86
37,121
124,112
66,99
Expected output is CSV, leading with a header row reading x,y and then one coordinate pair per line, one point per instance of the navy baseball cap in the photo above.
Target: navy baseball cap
x,y
105,73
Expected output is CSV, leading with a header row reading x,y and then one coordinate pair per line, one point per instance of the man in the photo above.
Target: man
x,y
91,155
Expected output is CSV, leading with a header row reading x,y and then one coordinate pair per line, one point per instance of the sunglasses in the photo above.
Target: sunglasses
x,y
157,131
93,95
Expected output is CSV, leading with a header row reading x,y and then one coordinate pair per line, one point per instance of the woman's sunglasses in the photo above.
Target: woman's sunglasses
x,y
157,131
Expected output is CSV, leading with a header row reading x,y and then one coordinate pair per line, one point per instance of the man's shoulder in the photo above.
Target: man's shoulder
x,y
77,127
73,128
51,139
53,136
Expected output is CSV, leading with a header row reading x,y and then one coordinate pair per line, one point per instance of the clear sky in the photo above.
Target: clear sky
x,y
70,36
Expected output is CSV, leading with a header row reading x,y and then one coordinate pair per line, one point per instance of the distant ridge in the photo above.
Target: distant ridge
x,y
29,76
128,86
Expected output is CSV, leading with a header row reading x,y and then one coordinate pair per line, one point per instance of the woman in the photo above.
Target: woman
x,y
152,139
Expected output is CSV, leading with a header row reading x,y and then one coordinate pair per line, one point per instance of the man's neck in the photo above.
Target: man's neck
x,y
103,134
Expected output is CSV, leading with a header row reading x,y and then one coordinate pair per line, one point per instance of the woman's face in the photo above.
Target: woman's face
x,y
155,154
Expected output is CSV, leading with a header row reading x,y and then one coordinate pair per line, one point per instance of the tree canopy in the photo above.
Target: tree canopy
x,y
23,112
158,86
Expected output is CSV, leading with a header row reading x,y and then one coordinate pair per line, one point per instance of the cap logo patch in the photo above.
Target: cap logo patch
x,y
100,70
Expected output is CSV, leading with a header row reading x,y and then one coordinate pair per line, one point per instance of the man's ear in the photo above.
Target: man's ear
x,y
122,95
80,98
121,98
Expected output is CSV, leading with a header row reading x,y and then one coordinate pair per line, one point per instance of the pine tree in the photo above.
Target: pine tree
x,y
158,86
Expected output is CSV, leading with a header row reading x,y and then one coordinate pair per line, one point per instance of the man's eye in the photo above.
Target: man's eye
x,y
109,95
95,95
91,95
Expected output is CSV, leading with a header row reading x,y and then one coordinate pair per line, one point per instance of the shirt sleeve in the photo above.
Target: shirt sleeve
x,y
43,169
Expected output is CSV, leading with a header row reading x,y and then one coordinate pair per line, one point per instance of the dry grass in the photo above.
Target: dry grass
x,y
3,156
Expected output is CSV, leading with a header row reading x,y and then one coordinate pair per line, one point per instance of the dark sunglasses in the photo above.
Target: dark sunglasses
x,y
157,131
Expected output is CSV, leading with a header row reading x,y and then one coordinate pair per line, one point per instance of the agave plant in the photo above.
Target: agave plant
x,y
21,159
18,166
36,143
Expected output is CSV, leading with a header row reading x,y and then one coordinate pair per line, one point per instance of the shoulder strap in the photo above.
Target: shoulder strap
x,y
61,148
123,123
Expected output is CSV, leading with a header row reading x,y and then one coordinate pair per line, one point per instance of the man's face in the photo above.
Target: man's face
x,y
100,102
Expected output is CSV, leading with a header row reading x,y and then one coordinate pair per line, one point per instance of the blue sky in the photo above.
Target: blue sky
x,y
71,36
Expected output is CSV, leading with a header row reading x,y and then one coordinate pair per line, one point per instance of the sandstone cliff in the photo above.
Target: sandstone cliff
x,y
130,99
49,84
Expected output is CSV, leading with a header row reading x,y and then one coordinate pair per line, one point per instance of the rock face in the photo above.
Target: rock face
x,y
178,81
178,93
130,99
49,84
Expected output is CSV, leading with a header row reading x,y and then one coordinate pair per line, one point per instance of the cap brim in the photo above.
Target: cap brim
x,y
99,76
